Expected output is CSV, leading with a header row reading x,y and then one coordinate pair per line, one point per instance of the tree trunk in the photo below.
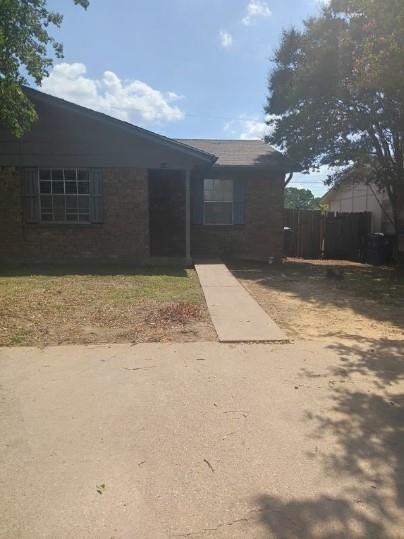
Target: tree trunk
x,y
400,224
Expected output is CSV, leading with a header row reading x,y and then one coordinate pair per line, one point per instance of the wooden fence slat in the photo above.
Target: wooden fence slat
x,y
334,235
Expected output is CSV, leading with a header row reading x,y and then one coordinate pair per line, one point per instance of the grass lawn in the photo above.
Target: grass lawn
x,y
368,303
62,305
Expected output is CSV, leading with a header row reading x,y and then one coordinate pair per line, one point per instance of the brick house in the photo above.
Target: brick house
x,y
82,186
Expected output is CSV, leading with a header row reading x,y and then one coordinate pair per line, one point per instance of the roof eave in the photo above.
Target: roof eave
x,y
269,166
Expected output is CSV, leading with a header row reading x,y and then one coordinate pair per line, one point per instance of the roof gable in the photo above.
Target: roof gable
x,y
130,128
68,135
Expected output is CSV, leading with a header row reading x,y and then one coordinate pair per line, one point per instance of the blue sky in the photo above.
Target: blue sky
x,y
183,68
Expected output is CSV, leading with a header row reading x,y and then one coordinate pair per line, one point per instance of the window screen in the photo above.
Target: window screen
x,y
218,202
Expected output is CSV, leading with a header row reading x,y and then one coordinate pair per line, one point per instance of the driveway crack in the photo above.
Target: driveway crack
x,y
219,526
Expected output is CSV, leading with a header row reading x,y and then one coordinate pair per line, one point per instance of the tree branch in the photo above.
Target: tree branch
x,y
288,180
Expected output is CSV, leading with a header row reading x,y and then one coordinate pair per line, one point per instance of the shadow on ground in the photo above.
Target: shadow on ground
x,y
58,270
365,417
317,518
375,293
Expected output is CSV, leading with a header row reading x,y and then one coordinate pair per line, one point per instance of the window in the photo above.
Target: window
x,y
64,195
218,202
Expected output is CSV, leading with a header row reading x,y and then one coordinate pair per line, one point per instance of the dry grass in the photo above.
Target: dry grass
x,y
64,306
179,313
367,303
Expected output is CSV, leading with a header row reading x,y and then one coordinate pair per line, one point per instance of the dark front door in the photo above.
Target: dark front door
x,y
167,213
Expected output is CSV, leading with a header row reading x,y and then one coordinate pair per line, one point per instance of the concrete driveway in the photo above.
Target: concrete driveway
x,y
202,440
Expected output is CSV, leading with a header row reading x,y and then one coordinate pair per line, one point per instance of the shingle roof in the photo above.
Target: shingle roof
x,y
241,152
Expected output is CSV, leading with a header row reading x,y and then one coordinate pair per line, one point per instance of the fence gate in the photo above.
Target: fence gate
x,y
334,235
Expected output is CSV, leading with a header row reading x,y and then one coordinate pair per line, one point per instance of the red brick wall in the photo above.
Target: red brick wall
x,y
261,236
122,237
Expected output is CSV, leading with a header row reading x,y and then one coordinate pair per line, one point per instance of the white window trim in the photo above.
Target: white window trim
x,y
205,223
63,222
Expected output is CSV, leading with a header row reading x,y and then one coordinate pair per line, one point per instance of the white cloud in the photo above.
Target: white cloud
x,y
226,39
254,129
246,128
255,9
129,100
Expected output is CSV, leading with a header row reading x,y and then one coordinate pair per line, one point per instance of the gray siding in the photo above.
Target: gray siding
x,y
65,136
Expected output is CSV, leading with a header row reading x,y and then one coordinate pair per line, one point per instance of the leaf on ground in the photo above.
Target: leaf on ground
x,y
100,488
178,313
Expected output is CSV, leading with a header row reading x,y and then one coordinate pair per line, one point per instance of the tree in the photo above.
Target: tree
x,y
24,52
300,199
336,94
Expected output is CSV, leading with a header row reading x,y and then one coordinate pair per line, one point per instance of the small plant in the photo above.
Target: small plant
x,y
323,208
17,340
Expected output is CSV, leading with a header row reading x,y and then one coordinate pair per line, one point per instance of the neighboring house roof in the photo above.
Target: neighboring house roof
x,y
337,188
355,175
180,146
326,197
248,153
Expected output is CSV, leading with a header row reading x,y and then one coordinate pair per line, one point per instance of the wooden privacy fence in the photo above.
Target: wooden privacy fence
x,y
334,235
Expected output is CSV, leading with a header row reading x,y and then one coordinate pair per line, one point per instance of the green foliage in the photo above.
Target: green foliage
x,y
24,52
300,199
323,207
336,94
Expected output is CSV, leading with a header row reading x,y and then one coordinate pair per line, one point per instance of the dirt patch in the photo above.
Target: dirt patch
x,y
311,303
181,313
63,307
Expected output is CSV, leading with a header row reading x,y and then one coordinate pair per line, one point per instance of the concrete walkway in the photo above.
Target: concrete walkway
x,y
237,317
